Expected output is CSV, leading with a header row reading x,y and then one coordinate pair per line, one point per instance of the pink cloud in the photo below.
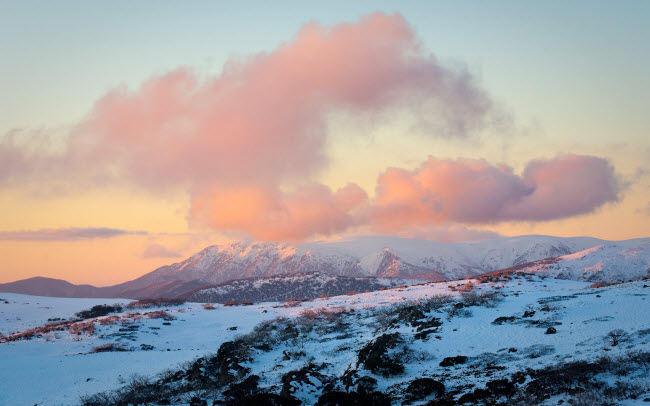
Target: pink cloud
x,y
271,215
447,233
65,234
564,186
159,251
262,120
473,191
419,203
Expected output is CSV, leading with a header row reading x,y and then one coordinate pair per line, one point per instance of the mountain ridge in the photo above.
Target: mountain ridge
x,y
366,256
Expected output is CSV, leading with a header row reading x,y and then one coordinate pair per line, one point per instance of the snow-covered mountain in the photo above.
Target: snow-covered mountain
x,y
369,257
603,263
372,256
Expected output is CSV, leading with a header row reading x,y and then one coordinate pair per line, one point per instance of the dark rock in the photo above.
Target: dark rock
x,y
366,384
303,378
247,387
225,367
501,387
551,330
422,335
196,401
373,356
451,361
420,388
474,397
354,398
264,399
504,319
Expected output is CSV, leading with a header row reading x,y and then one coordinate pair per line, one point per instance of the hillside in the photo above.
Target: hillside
x,y
605,263
512,340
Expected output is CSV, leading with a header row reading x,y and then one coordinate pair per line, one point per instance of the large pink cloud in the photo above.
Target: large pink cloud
x,y
419,203
269,214
474,191
262,120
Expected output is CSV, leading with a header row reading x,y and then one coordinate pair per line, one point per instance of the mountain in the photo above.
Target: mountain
x,y
380,257
41,286
368,257
602,263
286,287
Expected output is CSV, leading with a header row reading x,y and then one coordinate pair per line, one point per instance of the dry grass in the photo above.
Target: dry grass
x,y
156,302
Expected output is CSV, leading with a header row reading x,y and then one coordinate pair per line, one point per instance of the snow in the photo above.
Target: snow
x,y
603,263
65,369
23,311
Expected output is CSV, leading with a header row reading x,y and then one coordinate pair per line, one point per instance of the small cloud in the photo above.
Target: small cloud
x,y
451,233
644,210
65,234
159,251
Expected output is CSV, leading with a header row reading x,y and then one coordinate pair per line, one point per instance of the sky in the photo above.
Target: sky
x,y
133,134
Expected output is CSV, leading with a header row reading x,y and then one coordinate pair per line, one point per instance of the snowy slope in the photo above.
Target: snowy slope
x,y
602,263
494,350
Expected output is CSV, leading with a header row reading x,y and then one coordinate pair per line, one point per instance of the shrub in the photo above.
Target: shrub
x,y
616,336
160,314
155,302
98,311
292,302
487,299
208,306
87,327
108,347
457,311
435,302
109,320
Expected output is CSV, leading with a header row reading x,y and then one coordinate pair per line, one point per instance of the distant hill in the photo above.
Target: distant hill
x,y
602,263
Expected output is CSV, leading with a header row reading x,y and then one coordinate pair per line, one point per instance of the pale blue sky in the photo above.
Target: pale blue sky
x,y
580,67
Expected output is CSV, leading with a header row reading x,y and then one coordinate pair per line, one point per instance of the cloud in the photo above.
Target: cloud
x,y
644,210
473,191
450,233
159,251
262,120
268,214
419,203
65,234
